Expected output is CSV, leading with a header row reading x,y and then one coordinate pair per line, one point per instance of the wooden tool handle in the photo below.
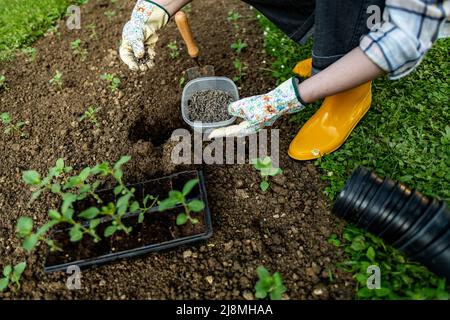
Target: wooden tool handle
x,y
183,26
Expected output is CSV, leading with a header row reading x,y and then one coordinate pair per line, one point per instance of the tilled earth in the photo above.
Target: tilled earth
x,y
285,229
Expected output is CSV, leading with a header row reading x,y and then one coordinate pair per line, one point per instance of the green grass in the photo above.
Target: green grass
x,y
405,135
23,21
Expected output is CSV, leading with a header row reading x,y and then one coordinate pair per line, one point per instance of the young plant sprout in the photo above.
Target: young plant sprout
x,y
233,16
238,46
179,197
269,285
91,115
12,275
93,28
30,52
3,82
72,190
266,169
11,127
78,50
110,14
113,81
174,51
240,68
57,80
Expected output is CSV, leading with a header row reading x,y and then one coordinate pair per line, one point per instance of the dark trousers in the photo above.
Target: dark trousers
x,y
337,25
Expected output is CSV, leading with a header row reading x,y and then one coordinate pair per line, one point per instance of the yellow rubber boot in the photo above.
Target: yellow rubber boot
x,y
304,68
330,126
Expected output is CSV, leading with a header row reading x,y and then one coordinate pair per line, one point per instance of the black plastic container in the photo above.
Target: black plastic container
x,y
433,229
106,247
411,222
410,212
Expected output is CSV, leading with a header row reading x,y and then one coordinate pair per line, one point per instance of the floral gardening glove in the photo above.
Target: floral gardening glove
x,y
262,111
140,33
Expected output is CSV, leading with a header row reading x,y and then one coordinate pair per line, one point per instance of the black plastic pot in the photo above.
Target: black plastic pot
x,y
119,247
409,221
428,227
432,230
409,213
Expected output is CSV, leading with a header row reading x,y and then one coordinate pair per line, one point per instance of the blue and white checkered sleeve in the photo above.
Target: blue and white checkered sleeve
x,y
408,30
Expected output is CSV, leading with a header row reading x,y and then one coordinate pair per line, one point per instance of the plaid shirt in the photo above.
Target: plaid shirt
x,y
408,30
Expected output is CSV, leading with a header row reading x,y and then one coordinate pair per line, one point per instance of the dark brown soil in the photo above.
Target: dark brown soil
x,y
285,229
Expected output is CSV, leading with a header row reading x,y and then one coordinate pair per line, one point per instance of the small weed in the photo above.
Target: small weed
x,y
12,275
182,81
179,197
3,82
240,69
11,127
233,16
78,50
110,14
93,28
269,285
91,115
112,80
174,51
238,46
57,80
266,169
30,52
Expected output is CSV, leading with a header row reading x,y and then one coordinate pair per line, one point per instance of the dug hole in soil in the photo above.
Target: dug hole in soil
x,y
285,229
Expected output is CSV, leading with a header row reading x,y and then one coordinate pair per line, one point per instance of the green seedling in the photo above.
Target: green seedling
x,y
57,80
3,82
174,51
12,275
73,189
182,81
110,14
233,16
30,52
179,197
113,81
93,28
269,285
78,50
91,115
240,69
238,46
266,169
11,127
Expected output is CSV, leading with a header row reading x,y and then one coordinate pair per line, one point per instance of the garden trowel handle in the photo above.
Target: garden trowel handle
x,y
183,25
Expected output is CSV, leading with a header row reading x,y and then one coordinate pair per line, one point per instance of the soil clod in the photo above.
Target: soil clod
x,y
209,106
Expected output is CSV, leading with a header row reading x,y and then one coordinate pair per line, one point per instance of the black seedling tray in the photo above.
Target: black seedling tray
x,y
159,187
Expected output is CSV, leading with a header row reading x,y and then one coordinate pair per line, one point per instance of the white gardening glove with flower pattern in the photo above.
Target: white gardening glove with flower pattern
x,y
139,34
262,111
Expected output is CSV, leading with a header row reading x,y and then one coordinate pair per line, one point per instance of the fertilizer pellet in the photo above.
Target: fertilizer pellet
x,y
209,106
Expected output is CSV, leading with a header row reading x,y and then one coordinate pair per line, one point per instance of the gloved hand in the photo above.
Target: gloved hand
x,y
263,110
140,33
